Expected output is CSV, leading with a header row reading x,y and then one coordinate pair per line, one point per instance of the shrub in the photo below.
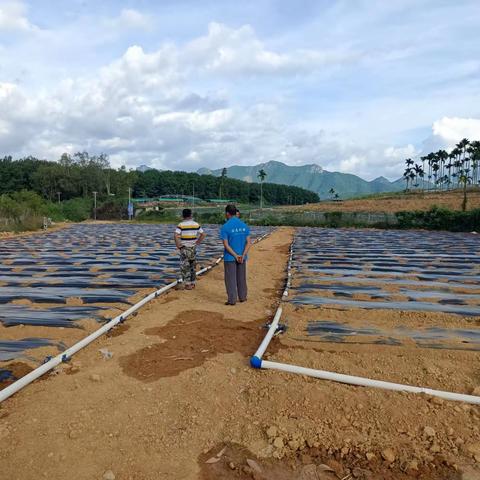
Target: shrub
x,y
155,216
77,209
112,210
210,217
440,219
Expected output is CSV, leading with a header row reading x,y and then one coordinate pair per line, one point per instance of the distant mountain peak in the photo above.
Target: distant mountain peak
x,y
144,168
315,168
312,177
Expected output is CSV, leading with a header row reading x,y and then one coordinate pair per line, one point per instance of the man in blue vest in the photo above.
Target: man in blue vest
x,y
236,240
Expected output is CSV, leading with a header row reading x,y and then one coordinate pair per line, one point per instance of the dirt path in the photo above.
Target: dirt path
x,y
53,228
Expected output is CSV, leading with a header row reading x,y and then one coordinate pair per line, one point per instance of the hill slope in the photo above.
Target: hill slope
x,y
397,202
312,177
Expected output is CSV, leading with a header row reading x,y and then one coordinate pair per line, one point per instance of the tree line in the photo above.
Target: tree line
x,y
81,174
444,170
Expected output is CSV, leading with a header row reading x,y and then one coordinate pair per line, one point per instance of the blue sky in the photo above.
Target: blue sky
x,y
352,85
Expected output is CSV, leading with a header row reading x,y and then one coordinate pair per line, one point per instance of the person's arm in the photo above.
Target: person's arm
x,y
177,238
232,252
248,245
201,236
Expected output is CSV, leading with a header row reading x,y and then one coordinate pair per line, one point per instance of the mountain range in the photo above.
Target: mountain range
x,y
312,177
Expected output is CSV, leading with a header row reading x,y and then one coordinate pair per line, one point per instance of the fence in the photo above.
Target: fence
x,y
322,219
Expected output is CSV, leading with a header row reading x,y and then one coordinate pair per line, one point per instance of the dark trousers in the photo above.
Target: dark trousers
x,y
236,281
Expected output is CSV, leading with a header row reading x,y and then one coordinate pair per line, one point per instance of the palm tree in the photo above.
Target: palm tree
x,y
423,172
223,176
430,159
474,152
435,168
442,157
465,179
261,175
408,162
419,173
463,145
406,176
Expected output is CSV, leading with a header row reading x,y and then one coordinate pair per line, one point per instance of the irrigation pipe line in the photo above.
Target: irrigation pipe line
x,y
256,361
69,352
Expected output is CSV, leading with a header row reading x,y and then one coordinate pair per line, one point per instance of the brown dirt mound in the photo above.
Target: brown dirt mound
x,y
18,370
118,330
236,462
188,341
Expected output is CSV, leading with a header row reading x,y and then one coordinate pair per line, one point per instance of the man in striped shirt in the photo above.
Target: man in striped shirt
x,y
188,235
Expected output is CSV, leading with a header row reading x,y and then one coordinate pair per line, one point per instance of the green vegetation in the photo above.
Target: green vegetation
x,y
31,188
433,219
21,210
440,219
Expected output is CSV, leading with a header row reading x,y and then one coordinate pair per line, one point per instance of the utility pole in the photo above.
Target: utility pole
x,y
129,207
94,205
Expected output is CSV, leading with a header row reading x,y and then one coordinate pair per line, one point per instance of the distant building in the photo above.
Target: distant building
x,y
147,204
220,201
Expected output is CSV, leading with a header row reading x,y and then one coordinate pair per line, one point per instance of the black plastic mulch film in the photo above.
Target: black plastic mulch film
x,y
392,270
101,266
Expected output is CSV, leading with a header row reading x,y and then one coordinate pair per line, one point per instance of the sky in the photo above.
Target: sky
x,y
355,86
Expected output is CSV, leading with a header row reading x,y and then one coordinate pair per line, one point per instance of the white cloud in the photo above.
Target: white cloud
x,y
401,153
131,19
236,51
13,17
453,129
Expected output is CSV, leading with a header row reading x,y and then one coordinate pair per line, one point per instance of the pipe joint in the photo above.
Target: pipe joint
x,y
255,362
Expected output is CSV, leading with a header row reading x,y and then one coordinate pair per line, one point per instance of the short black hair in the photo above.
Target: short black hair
x,y
231,209
186,213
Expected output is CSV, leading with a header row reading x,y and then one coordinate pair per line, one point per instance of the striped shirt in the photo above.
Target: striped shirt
x,y
189,231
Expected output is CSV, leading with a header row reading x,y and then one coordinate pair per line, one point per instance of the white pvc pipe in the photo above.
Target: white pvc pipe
x,y
67,354
273,326
367,382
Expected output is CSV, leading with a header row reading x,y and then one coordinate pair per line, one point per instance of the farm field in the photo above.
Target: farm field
x,y
391,203
177,399
57,287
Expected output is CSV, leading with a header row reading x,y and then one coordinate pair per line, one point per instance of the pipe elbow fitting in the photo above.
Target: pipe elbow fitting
x,y
255,362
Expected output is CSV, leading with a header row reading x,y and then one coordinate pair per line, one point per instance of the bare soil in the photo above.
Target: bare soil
x,y
189,341
233,461
389,203
57,226
163,412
